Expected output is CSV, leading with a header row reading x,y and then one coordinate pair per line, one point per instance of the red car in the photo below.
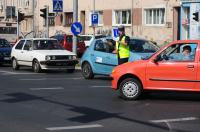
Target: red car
x,y
67,42
174,67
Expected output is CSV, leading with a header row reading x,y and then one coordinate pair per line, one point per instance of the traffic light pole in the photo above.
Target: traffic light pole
x,y
17,23
17,19
47,22
75,19
33,12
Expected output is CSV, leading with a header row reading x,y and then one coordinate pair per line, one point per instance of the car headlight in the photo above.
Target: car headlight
x,y
74,57
48,58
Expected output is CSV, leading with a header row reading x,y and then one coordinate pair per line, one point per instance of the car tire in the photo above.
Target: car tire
x,y
15,64
130,89
87,71
36,66
70,70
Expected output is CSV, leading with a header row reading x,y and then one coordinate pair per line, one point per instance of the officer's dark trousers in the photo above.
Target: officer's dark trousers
x,y
122,60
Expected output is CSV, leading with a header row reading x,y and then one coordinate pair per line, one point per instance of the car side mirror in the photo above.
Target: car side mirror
x,y
157,58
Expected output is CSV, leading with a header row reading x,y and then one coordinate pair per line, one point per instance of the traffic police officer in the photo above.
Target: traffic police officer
x,y
122,46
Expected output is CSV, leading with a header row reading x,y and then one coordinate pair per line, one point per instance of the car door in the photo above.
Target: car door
x,y
17,52
28,53
103,61
171,72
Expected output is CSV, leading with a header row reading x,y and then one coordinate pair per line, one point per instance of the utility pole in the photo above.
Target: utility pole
x,y
33,21
47,21
75,19
17,19
90,16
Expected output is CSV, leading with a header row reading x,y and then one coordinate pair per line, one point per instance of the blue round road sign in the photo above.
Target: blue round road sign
x,y
76,28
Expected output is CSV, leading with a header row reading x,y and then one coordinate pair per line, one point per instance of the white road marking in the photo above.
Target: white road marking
x,y
53,88
175,120
42,79
15,73
73,127
101,86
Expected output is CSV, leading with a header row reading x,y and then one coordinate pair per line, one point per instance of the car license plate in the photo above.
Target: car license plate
x,y
6,58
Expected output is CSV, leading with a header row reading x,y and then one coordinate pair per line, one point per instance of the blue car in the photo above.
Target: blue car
x,y
99,59
5,51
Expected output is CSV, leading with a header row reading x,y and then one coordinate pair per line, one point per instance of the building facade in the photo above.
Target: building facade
x,y
156,20
189,27
8,18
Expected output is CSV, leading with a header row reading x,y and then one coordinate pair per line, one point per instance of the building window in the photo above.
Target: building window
x,y
51,20
155,16
122,17
68,19
100,18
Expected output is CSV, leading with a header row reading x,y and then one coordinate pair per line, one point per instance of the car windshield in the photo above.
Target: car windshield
x,y
46,45
4,43
143,46
85,38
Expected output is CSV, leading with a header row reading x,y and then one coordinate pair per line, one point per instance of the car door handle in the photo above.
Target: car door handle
x,y
22,51
107,57
92,54
190,66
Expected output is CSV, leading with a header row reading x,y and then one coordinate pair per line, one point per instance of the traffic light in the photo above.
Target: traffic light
x,y
44,13
196,16
20,16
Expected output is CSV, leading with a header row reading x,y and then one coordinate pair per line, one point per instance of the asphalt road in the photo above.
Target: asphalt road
x,y
57,101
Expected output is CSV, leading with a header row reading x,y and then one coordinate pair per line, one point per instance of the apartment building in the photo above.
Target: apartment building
x,y
189,27
8,18
156,20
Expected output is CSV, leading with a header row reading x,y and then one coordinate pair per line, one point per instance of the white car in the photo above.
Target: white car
x,y
42,54
88,39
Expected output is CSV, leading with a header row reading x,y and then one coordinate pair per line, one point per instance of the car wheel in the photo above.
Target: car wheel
x,y
87,71
70,70
130,89
15,64
36,66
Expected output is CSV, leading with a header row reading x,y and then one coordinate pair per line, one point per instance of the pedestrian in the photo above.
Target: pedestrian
x,y
122,46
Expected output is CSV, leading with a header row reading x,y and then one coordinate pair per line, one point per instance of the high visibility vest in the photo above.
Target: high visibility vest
x,y
122,50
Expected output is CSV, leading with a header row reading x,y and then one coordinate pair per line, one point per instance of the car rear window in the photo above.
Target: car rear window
x,y
145,46
46,45
4,43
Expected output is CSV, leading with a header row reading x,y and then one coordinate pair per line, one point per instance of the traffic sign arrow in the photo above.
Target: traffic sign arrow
x,y
78,30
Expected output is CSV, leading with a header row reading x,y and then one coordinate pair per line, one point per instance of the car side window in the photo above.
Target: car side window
x,y
180,53
28,45
20,45
100,46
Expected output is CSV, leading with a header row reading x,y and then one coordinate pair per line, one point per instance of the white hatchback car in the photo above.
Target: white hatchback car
x,y
42,54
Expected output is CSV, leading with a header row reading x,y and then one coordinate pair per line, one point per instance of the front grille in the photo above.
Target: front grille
x,y
63,57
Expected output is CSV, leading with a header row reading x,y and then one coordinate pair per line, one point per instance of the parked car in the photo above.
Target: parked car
x,y
42,54
168,69
88,39
99,59
5,51
67,42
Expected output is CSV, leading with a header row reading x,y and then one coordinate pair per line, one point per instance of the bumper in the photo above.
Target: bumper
x,y
5,59
69,64
114,82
